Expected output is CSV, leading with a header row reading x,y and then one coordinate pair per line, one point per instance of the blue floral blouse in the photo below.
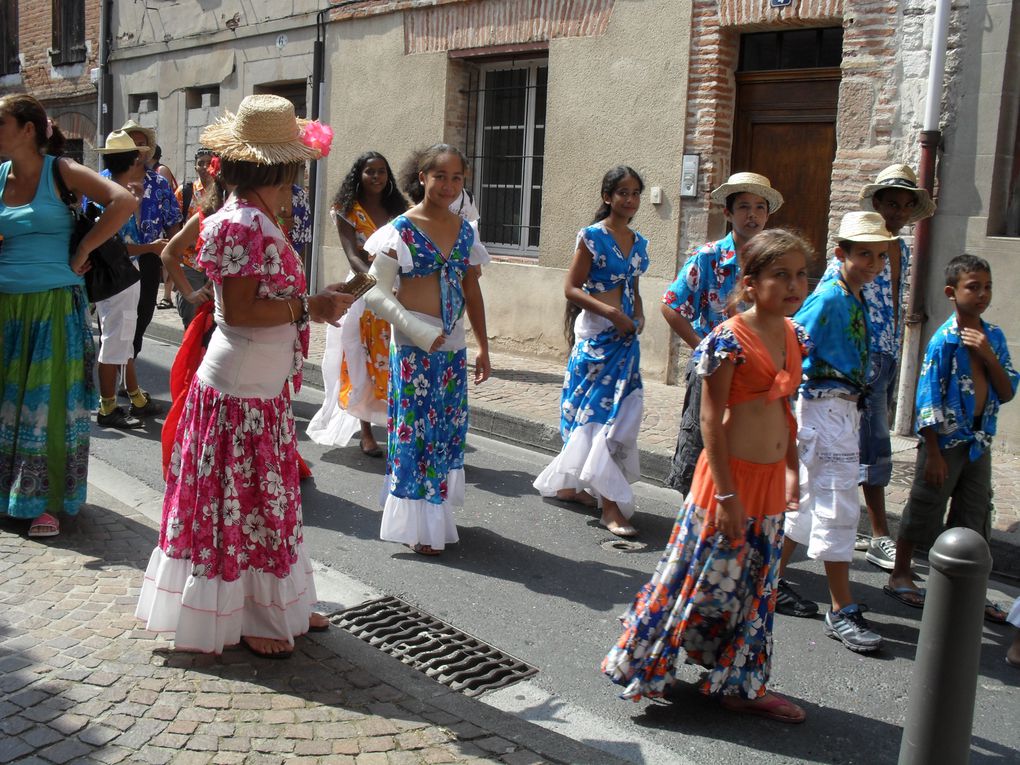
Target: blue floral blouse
x,y
886,329
609,267
158,210
945,390
703,285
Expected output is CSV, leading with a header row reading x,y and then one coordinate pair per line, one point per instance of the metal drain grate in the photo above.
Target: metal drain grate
x,y
444,653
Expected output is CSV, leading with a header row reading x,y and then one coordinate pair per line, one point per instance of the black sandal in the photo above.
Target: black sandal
x,y
790,603
164,303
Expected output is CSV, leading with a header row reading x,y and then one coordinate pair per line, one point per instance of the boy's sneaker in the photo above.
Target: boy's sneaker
x,y
118,418
882,552
790,603
849,626
149,409
862,542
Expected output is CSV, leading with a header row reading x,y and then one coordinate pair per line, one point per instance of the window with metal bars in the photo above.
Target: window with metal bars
x,y
9,63
68,21
506,147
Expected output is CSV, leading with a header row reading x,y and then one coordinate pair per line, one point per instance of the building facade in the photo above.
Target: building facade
x,y
51,50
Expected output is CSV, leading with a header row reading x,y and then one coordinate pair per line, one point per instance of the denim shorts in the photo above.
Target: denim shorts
x,y
876,448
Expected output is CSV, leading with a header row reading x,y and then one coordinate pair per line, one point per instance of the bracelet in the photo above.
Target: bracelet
x,y
305,315
289,310
724,497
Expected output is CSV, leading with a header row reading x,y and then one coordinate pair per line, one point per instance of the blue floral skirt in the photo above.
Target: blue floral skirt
x,y
710,602
426,430
47,375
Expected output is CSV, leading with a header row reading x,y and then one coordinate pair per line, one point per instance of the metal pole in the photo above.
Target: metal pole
x,y
940,710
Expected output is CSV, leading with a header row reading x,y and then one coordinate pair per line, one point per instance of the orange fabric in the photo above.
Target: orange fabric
x,y
758,377
761,487
375,332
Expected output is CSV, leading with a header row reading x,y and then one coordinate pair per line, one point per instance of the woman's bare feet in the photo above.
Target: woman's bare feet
x,y
582,498
369,446
317,622
771,706
267,648
1013,653
615,521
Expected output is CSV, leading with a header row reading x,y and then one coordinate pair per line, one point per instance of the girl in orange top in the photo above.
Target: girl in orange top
x,y
356,360
712,598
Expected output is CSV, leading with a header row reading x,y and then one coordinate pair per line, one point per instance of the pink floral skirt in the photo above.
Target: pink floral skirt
x,y
230,560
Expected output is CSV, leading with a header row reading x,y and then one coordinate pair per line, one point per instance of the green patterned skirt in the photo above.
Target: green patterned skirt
x,y
47,375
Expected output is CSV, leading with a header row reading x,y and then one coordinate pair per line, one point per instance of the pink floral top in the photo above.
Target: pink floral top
x,y
240,240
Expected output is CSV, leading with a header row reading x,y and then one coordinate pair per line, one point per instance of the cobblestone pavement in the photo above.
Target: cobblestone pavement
x,y
82,682
520,402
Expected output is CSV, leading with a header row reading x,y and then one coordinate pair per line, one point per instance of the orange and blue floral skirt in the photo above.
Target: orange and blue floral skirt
x,y
710,601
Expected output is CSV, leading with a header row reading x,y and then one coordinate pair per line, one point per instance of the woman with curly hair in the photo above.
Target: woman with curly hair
x,y
355,363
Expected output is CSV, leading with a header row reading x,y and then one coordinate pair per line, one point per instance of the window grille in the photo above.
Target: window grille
x,y
506,146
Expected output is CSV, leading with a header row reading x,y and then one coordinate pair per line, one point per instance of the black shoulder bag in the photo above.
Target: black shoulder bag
x,y
112,270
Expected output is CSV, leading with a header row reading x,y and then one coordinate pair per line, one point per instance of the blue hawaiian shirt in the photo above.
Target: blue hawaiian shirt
x,y
886,330
301,230
703,285
945,390
158,210
610,268
837,324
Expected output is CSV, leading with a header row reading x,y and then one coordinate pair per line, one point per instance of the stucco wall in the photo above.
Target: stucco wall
x,y
377,98
977,153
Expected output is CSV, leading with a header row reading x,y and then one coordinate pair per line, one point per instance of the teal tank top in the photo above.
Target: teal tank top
x,y
34,253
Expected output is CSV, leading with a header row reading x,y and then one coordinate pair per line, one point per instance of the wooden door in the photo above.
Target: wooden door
x,y
785,129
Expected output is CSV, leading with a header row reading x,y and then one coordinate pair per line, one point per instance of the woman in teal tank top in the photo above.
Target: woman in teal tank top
x,y
46,350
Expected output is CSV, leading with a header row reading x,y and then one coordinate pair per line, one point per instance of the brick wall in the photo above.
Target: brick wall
x,y
67,92
884,74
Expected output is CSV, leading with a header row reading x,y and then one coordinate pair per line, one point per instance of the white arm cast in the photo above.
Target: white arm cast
x,y
380,301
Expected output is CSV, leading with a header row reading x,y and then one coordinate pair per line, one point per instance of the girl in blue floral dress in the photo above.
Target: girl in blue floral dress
x,y
427,420
712,598
602,399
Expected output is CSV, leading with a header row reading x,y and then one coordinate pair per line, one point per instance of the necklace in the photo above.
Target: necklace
x,y
265,208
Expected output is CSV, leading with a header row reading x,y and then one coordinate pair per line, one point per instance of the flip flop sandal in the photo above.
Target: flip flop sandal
x,y
769,709
164,303
908,596
44,526
994,613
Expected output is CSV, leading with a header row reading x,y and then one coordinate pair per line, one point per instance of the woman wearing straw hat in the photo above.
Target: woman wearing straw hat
x,y
230,566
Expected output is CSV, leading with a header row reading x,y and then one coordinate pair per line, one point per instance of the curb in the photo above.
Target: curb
x,y
127,497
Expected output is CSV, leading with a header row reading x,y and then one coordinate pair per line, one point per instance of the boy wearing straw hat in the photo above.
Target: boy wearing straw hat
x,y
835,318
895,196
696,302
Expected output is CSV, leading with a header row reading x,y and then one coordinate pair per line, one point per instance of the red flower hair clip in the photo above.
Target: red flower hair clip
x,y
317,135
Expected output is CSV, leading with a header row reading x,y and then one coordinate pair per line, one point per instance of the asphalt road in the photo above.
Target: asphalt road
x,y
543,582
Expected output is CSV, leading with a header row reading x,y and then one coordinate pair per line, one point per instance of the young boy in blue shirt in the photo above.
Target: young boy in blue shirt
x,y
966,375
835,318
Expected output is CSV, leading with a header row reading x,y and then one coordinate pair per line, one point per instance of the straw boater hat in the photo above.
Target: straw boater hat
x,y
899,177
739,183
133,127
119,142
264,131
863,227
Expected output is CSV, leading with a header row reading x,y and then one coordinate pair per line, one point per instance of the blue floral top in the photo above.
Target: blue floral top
x,y
945,390
837,323
886,329
609,268
703,285
301,230
419,256
158,210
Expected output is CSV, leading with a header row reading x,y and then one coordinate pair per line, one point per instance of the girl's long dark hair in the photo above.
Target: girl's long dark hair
x,y
350,189
422,161
610,181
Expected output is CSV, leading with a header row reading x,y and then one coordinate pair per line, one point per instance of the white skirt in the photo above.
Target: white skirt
x,y
333,425
418,521
209,614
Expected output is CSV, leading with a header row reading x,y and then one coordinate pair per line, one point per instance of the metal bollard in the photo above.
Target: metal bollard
x,y
940,713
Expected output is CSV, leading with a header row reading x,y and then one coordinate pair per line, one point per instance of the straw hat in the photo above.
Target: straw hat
x,y
264,131
119,142
863,227
133,127
899,177
739,183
